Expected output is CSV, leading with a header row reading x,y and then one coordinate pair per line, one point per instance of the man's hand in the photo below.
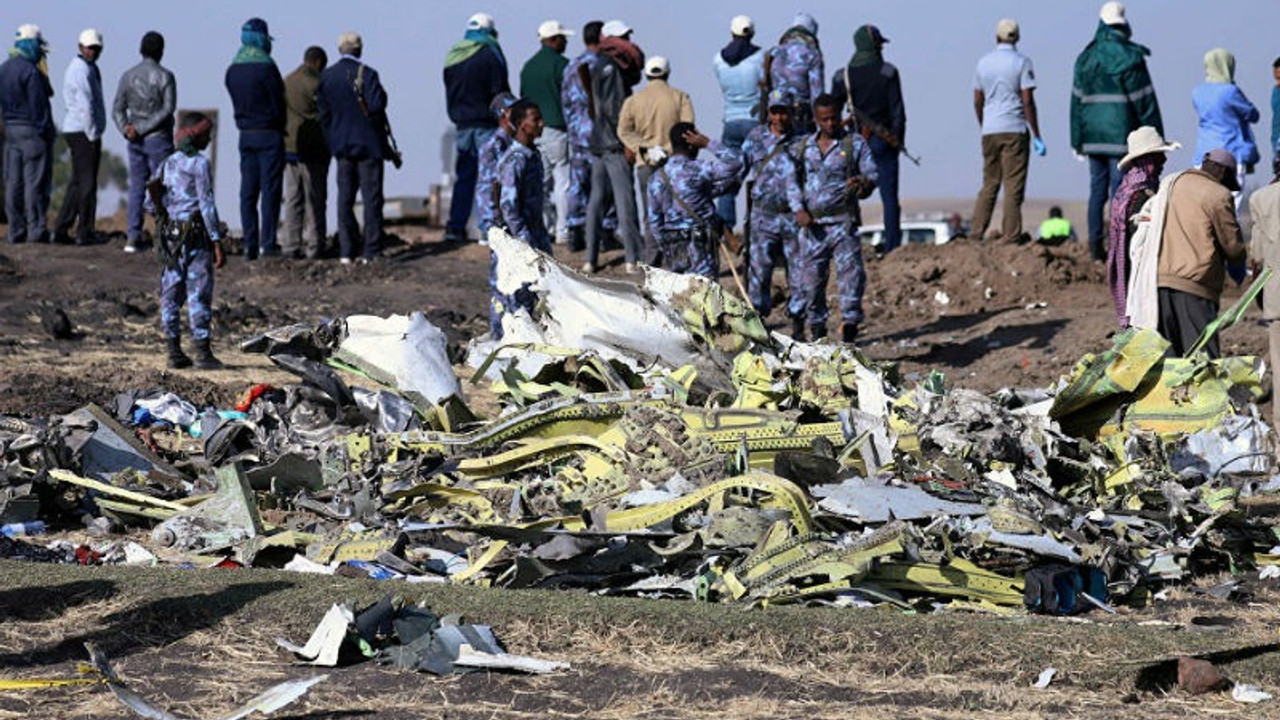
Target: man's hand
x,y
804,218
696,139
218,258
629,154
131,133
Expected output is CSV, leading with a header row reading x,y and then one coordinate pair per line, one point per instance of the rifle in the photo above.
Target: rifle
x,y
766,87
381,123
867,126
584,77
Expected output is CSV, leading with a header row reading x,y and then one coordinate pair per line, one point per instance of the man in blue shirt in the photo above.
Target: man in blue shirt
x,y
520,205
681,207
487,186
834,170
773,226
1004,101
29,131
257,95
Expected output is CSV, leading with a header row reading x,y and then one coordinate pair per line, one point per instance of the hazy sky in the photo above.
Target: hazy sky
x,y
934,43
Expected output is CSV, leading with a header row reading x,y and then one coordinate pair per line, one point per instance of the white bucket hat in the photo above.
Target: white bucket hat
x,y
1144,141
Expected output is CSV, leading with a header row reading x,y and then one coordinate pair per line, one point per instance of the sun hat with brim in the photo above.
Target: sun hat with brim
x,y
1144,141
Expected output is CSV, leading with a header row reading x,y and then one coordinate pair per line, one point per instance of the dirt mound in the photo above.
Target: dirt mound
x,y
38,393
10,273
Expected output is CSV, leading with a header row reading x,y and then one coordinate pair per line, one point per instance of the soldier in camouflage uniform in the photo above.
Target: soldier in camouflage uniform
x,y
773,226
794,67
574,102
682,194
520,205
487,165
834,170
190,240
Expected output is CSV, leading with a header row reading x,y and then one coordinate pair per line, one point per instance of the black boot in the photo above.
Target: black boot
x,y
818,332
177,358
204,356
577,238
848,333
797,328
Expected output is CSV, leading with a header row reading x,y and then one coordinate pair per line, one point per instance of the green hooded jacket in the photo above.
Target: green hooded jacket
x,y
1112,94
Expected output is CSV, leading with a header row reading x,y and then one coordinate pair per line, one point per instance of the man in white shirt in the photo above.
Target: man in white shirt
x,y
82,129
1003,100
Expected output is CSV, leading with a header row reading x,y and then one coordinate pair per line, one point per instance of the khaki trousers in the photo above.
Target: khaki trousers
x,y
1005,157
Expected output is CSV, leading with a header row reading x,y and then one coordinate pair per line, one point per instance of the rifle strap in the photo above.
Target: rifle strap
x,y
675,195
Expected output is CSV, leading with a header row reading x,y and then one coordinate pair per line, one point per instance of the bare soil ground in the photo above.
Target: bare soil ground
x,y
987,315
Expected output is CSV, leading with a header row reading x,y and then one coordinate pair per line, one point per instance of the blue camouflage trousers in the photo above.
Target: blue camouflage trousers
x,y
579,192
500,303
692,251
772,233
190,279
819,245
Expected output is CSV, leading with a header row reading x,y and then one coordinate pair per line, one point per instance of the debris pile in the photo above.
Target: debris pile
x,y
659,441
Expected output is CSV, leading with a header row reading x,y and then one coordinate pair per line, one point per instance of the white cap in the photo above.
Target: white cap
x,y
615,28
1113,13
90,38
28,32
1007,30
552,28
741,25
656,67
480,21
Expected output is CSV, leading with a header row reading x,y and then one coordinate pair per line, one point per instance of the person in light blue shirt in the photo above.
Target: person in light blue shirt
x,y
1225,116
82,128
1003,99
740,69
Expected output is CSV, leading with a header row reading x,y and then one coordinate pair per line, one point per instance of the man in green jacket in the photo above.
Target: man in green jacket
x,y
541,80
1112,95
306,158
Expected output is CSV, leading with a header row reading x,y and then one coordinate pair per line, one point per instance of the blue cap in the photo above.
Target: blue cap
x,y
257,25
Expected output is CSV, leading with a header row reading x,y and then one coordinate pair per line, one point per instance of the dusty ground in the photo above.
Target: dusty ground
x,y
202,640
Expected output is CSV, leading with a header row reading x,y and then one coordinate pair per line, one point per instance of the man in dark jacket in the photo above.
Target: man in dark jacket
x,y
306,170
29,132
257,94
612,74
873,88
146,99
353,106
1112,96
475,72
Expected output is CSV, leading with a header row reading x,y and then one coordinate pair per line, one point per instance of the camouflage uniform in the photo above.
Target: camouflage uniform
x,y
690,243
573,100
773,225
520,212
486,180
188,198
820,189
796,71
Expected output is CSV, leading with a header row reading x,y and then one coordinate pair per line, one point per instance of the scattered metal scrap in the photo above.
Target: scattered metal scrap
x,y
657,441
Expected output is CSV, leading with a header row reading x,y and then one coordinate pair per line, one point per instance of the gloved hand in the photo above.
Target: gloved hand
x,y
1037,146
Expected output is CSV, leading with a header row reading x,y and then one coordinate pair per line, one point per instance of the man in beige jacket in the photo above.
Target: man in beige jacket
x,y
1201,235
1264,250
644,126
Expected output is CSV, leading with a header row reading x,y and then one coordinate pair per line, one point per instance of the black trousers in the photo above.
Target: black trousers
x,y
364,176
81,200
1182,318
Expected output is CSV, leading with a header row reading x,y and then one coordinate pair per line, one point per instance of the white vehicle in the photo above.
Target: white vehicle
x,y
930,232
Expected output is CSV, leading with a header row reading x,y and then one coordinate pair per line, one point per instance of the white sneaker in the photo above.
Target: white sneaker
x,y
131,246
631,268
345,261
588,268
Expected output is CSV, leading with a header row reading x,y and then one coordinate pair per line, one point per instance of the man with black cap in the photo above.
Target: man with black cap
x,y
873,89
257,94
146,99
1201,236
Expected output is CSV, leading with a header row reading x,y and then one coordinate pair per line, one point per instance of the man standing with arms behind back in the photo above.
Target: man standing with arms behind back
x,y
28,127
542,80
146,99
1112,96
82,128
1004,102
306,156
349,100
475,72
257,94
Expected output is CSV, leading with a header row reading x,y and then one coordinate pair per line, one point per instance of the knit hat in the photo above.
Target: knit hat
x,y
1113,13
1007,31
1146,140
